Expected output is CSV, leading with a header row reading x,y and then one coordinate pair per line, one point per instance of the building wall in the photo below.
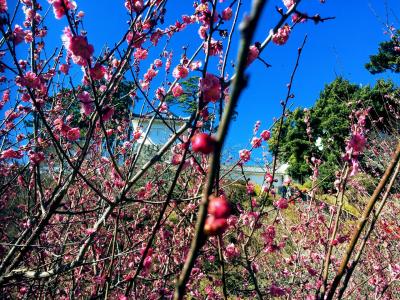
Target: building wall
x,y
256,175
159,132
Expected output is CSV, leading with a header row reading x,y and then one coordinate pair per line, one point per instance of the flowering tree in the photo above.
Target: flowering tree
x,y
85,214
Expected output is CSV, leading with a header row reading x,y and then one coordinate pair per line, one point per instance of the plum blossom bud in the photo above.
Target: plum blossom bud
x,y
253,54
256,142
269,178
134,5
227,14
158,63
250,188
289,3
163,107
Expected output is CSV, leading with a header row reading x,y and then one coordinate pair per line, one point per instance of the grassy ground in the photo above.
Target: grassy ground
x,y
347,207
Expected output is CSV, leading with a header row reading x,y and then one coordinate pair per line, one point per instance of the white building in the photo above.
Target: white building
x,y
160,130
256,174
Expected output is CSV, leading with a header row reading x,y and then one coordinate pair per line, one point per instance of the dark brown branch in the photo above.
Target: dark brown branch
x,y
239,83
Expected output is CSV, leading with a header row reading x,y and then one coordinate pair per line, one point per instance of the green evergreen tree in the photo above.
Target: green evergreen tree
x,y
388,57
330,124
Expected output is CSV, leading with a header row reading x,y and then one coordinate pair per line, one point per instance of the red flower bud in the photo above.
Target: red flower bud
x,y
219,207
203,143
215,226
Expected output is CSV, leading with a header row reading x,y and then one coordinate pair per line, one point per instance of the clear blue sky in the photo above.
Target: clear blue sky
x,y
336,47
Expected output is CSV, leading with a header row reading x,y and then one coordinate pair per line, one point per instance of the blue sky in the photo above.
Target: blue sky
x,y
337,47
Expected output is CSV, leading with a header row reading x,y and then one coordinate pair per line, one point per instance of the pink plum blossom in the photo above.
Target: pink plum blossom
x,y
141,54
36,157
64,68
18,34
177,90
244,155
10,153
211,88
87,104
97,72
107,113
357,143
180,72
134,5
231,251
59,7
79,47
282,203
213,47
282,35
265,135
73,134
3,6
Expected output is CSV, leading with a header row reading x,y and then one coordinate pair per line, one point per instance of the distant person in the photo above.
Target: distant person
x,y
284,191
